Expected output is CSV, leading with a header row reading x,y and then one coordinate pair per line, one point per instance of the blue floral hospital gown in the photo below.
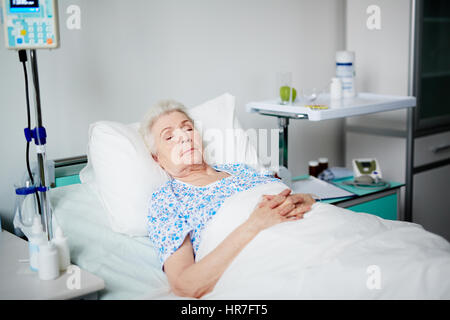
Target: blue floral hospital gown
x,y
177,209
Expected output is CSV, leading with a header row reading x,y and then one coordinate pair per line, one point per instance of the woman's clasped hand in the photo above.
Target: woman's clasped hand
x,y
274,209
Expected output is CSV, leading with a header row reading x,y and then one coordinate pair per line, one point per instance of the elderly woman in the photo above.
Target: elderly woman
x,y
181,208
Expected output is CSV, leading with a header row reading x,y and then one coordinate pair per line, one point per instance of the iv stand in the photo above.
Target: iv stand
x,y
39,135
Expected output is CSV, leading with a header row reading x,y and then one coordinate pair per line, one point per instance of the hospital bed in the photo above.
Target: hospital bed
x,y
131,270
326,255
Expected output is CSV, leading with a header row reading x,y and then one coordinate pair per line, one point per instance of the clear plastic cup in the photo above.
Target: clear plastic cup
x,y
285,91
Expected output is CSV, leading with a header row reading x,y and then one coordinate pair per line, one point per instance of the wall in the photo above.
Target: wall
x,y
127,57
382,66
382,56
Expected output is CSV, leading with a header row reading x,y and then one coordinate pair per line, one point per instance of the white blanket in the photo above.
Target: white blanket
x,y
332,253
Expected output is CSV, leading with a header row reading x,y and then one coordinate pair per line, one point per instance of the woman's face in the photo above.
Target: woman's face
x,y
178,144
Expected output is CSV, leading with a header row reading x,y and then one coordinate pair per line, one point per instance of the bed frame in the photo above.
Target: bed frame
x,y
67,170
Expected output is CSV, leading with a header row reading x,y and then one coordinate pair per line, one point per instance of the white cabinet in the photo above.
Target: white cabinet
x,y
430,149
431,201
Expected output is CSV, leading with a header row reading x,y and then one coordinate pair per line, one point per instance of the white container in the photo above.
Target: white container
x,y
345,70
60,241
48,262
36,239
336,89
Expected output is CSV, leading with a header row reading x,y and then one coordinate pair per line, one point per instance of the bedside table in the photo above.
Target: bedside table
x,y
383,203
18,281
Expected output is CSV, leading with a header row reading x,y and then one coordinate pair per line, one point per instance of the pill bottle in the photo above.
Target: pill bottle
x,y
323,164
345,70
48,261
336,89
36,239
61,243
313,168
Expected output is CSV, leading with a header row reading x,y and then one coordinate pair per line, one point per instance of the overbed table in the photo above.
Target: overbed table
x,y
363,103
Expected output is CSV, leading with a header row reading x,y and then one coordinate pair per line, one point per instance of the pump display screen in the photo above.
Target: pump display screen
x,y
24,5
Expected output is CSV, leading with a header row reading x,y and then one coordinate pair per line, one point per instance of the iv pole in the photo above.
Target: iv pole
x,y
39,135
19,17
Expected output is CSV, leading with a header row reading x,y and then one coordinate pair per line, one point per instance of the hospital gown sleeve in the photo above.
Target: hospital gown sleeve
x,y
167,226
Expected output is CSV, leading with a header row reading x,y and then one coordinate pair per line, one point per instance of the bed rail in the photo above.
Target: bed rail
x,y
67,170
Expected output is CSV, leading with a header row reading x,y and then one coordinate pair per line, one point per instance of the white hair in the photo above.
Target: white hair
x,y
163,107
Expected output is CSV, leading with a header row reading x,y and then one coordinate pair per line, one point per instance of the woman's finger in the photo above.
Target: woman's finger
x,y
300,210
276,201
299,198
285,208
285,192
291,218
265,199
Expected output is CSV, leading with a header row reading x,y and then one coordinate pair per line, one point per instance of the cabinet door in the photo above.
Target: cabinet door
x,y
433,64
385,207
431,200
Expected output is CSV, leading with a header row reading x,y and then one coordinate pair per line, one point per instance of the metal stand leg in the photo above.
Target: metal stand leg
x,y
283,124
40,141
409,166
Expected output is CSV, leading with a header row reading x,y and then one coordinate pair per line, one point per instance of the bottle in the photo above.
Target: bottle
x,y
346,72
313,168
336,89
323,164
36,239
62,246
48,261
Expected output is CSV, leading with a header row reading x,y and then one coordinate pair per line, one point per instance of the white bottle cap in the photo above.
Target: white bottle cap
x,y
345,56
59,233
313,163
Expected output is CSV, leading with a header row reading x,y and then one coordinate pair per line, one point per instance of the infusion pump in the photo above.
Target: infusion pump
x,y
31,24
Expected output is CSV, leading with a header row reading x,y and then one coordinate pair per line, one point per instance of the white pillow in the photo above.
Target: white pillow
x,y
124,174
224,139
